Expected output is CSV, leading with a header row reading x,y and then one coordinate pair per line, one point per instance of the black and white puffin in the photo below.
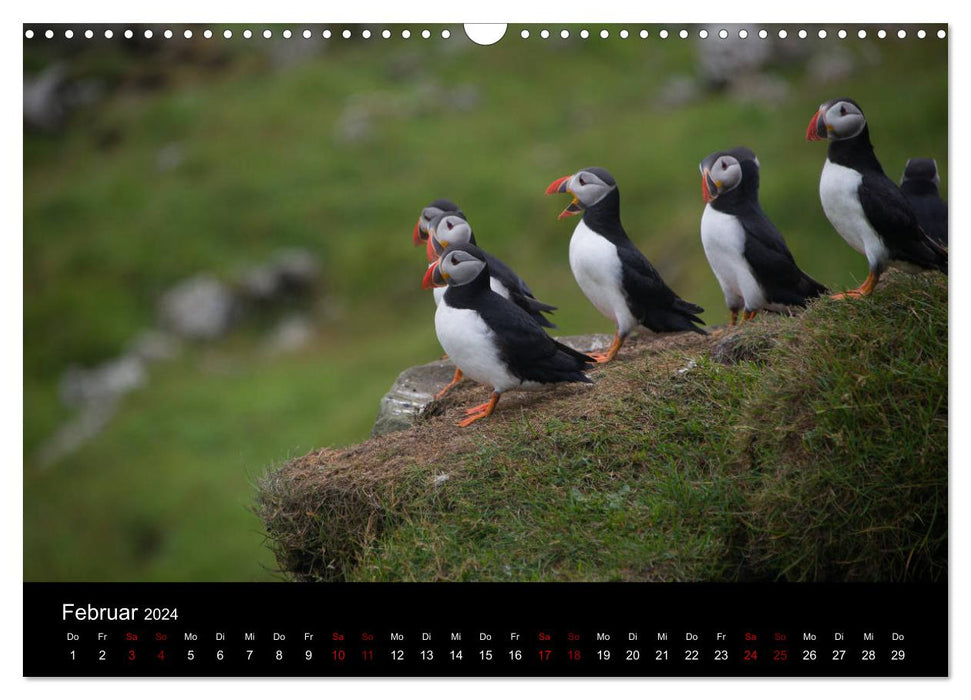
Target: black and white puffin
x,y
615,276
744,248
452,228
920,184
489,338
864,206
436,208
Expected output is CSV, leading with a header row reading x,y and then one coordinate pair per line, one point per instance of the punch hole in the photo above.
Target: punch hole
x,y
841,33
703,34
49,33
366,34
524,34
663,33
386,34
783,33
584,34
821,34
742,34
129,33
90,35
326,34
564,34
187,33
763,34
405,34
861,34
921,34
604,34
307,34
425,34
247,34
267,33
29,34
207,34
347,34
485,34
287,34
803,33
941,34
882,34
683,34
446,34
167,33
227,34
624,34
902,34
109,33
545,34
643,34
69,34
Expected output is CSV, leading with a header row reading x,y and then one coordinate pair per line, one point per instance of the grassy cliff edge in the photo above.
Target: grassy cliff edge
x,y
807,448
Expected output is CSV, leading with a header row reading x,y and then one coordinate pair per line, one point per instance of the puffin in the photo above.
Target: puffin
x,y
450,228
491,339
744,248
920,184
439,206
865,206
614,275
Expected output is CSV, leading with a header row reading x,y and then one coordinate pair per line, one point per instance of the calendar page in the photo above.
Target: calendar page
x,y
344,355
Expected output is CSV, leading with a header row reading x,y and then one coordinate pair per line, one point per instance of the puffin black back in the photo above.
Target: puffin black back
x,y
703,442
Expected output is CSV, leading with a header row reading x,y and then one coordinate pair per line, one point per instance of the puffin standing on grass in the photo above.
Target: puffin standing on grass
x,y
920,184
864,206
615,276
489,338
744,248
452,228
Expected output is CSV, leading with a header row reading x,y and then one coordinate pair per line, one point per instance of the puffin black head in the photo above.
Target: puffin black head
x,y
587,186
447,229
460,265
724,171
921,170
836,120
439,206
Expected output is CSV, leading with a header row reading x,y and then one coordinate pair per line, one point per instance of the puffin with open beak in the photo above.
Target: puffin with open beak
x,y
492,340
864,206
746,252
614,275
452,228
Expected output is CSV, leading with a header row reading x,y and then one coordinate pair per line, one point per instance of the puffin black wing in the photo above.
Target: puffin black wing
x,y
652,301
888,211
529,353
519,292
931,212
772,262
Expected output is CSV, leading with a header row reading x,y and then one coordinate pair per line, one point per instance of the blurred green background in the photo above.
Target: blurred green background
x,y
209,156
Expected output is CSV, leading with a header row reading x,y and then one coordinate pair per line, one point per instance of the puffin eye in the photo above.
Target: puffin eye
x,y
581,181
450,225
842,110
724,165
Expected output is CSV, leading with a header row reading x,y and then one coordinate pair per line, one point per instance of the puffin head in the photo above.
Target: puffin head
x,y
460,265
921,169
587,186
439,206
721,172
836,120
447,229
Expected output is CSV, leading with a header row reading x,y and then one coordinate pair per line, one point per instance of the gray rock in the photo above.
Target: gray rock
x,y
678,91
199,308
82,387
293,272
50,97
415,388
722,61
155,346
831,66
411,392
290,334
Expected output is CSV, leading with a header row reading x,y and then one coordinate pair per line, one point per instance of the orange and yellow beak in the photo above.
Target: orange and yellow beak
x,y
419,236
434,277
816,131
560,186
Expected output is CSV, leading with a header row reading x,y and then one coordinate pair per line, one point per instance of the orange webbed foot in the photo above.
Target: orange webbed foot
x,y
479,412
455,380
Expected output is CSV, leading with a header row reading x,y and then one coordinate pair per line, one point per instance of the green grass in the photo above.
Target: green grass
x,y
105,233
823,457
